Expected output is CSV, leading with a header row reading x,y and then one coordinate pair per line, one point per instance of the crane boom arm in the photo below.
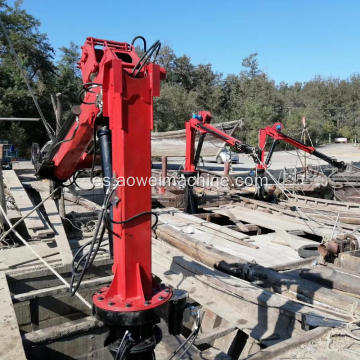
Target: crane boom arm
x,y
201,123
275,132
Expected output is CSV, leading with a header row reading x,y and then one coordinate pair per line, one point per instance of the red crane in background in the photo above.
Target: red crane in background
x,y
275,132
201,123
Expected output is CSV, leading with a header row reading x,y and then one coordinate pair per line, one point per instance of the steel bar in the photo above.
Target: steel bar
x,y
18,119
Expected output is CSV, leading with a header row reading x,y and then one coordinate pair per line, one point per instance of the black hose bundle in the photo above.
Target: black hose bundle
x,y
154,48
83,260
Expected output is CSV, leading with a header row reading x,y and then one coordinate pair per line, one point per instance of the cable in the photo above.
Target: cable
x,y
86,88
41,259
94,157
142,38
81,226
283,190
86,260
154,48
190,339
72,136
108,220
137,216
126,343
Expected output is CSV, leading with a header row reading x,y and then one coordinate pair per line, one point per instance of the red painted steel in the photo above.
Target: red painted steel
x,y
274,132
127,102
95,61
201,123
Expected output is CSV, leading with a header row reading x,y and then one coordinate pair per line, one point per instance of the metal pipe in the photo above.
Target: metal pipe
x,y
18,119
339,164
271,151
104,135
198,149
164,167
2,198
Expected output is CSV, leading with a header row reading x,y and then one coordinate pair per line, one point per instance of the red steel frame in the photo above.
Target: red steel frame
x,y
201,123
128,104
274,132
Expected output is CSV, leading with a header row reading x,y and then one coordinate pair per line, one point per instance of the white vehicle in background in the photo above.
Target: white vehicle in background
x,y
341,140
226,155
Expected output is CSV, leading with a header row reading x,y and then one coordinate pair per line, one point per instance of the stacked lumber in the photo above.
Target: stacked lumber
x,y
173,143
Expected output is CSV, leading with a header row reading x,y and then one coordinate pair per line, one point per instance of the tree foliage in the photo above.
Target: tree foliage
x,y
331,106
36,54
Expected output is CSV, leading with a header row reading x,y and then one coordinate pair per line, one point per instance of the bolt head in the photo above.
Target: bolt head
x,y
127,305
111,303
161,298
100,298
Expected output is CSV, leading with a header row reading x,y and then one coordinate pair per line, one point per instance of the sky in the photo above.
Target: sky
x,y
295,39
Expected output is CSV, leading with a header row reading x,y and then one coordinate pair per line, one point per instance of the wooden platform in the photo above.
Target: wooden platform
x,y
239,261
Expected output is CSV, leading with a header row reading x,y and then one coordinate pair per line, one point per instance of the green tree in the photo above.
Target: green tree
x,y
173,108
68,80
36,53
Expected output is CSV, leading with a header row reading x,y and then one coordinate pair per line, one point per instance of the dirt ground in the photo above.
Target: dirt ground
x,y
280,159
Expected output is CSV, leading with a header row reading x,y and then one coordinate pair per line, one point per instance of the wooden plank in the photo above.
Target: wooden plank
x,y
22,200
232,234
333,277
262,251
54,333
320,223
209,336
60,289
333,205
11,347
269,221
286,283
173,215
252,309
20,256
277,221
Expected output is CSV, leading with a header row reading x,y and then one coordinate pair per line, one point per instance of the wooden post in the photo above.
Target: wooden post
x,y
164,166
57,106
162,189
226,168
304,133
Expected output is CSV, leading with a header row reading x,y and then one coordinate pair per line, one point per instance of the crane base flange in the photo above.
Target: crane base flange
x,y
115,311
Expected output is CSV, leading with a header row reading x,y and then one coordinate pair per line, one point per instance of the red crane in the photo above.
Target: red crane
x,y
201,123
275,132
118,104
